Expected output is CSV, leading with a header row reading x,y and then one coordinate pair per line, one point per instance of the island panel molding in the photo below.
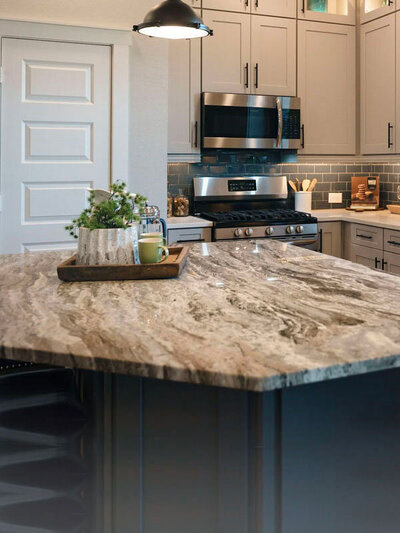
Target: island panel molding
x,y
255,316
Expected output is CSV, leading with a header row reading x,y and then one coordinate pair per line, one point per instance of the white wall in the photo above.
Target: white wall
x,y
148,79
121,14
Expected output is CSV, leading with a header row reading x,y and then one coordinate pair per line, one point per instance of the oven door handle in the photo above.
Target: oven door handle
x,y
300,242
280,122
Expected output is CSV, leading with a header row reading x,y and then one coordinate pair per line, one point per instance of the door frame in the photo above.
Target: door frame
x,y
120,42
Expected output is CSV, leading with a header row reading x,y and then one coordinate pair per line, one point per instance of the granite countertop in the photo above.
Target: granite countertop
x,y
380,219
255,315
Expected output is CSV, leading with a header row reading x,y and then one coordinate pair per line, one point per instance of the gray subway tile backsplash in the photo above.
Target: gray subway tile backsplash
x,y
332,177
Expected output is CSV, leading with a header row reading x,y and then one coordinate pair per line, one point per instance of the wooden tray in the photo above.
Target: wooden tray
x,y
170,268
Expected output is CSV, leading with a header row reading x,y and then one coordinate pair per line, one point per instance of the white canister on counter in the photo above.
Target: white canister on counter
x,y
302,201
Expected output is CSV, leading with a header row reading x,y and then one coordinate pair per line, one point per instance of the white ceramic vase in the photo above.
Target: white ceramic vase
x,y
303,201
108,246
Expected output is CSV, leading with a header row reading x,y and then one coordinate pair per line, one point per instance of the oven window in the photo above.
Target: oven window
x,y
240,122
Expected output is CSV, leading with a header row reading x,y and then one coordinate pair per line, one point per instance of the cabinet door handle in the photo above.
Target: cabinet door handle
x,y
384,263
196,134
303,6
302,135
390,127
390,3
246,3
377,262
394,243
320,240
256,3
256,81
369,237
246,76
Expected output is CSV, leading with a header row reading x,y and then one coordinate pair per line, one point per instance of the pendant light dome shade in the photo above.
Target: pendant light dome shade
x,y
173,19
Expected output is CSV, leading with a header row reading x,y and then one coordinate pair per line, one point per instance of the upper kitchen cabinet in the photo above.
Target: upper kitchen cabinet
x,y
249,54
373,9
273,56
241,6
276,8
184,88
327,87
226,55
378,85
339,11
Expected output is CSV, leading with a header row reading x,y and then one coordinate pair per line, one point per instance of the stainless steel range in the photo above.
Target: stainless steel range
x,y
248,207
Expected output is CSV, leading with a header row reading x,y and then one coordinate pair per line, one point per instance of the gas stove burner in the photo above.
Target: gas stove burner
x,y
259,216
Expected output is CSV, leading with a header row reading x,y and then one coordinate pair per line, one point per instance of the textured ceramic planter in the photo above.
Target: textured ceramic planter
x,y
108,246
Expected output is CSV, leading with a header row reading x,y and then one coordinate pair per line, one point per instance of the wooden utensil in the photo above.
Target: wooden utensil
x,y
306,184
293,185
313,184
297,184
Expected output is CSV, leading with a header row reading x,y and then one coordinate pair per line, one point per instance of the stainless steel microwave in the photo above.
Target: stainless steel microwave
x,y
250,121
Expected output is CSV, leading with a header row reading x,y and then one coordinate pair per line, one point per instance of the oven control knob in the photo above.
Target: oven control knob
x,y
238,232
249,232
290,229
299,229
269,231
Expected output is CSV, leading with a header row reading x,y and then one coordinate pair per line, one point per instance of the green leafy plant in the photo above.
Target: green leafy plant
x,y
119,211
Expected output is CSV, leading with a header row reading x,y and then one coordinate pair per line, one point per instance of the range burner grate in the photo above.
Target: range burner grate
x,y
271,216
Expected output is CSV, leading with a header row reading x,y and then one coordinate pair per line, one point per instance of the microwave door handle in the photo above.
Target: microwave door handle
x,y
280,122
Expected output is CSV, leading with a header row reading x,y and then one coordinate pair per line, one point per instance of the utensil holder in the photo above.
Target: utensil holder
x,y
303,201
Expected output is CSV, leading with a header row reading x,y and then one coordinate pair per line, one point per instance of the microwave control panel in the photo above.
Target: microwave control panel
x,y
291,124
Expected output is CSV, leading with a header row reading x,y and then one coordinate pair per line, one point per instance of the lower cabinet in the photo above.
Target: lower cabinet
x,y
391,263
363,255
376,248
330,238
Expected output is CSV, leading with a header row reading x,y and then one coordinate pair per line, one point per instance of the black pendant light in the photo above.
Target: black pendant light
x,y
173,19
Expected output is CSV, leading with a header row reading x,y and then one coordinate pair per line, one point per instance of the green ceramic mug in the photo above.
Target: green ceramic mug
x,y
154,235
152,251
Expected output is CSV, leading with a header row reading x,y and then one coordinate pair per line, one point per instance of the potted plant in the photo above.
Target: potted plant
x,y
108,230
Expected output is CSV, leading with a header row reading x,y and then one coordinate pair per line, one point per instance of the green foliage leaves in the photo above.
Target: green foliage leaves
x,y
119,211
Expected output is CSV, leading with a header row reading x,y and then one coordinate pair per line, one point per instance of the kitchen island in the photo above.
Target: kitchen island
x,y
274,438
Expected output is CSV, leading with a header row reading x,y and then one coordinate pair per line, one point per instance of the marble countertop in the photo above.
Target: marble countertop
x,y
255,315
187,222
381,219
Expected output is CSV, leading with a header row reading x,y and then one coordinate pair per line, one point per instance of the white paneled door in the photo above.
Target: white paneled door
x,y
55,138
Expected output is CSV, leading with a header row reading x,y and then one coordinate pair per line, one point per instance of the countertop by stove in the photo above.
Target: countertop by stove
x,y
188,222
255,315
380,219
383,219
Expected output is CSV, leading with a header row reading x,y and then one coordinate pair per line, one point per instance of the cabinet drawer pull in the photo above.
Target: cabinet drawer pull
x,y
384,263
377,262
369,237
394,243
